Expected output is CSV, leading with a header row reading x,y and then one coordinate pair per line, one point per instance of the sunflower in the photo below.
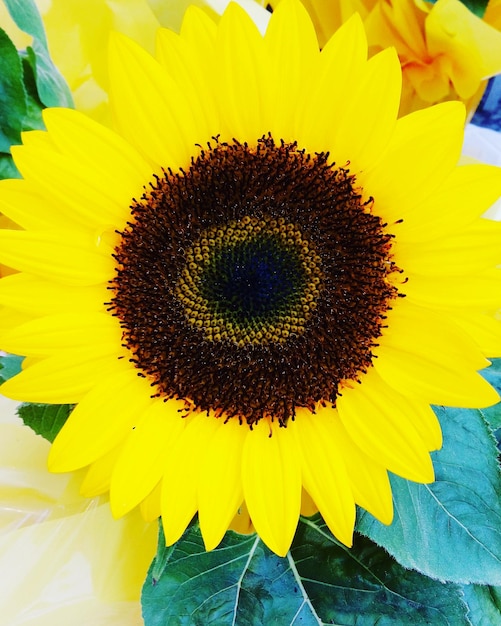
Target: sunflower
x,y
254,289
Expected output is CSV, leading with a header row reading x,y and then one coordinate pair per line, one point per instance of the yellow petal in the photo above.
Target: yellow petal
x,y
362,132
481,290
111,164
271,475
417,331
342,63
80,191
291,50
198,33
239,44
179,500
220,490
380,421
23,203
151,110
150,506
324,472
434,137
368,479
69,257
111,409
34,295
465,194
38,139
308,506
63,332
465,252
432,358
61,379
98,477
483,328
192,73
242,522
141,461
9,318
198,29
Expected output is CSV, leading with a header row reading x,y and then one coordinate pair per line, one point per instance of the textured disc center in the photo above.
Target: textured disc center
x,y
254,282
250,281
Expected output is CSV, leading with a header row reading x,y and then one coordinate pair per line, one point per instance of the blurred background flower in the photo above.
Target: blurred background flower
x,y
68,560
446,51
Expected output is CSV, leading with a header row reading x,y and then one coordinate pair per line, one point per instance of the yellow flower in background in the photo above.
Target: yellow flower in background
x,y
255,288
68,561
446,52
493,14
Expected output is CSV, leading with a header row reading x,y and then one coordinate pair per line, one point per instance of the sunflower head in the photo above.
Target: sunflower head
x,y
259,275
254,287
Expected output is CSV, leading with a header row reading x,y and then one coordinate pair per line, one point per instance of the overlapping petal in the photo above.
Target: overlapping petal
x,y
271,478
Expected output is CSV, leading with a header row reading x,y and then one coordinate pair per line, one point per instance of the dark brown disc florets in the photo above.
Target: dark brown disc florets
x,y
254,283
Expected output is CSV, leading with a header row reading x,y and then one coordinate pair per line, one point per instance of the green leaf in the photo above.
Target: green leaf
x,y
10,365
242,583
242,579
7,167
484,604
364,586
12,94
451,529
477,7
34,106
20,107
52,88
45,419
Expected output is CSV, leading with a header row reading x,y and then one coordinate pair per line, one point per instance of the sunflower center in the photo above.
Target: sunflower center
x,y
253,283
247,281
